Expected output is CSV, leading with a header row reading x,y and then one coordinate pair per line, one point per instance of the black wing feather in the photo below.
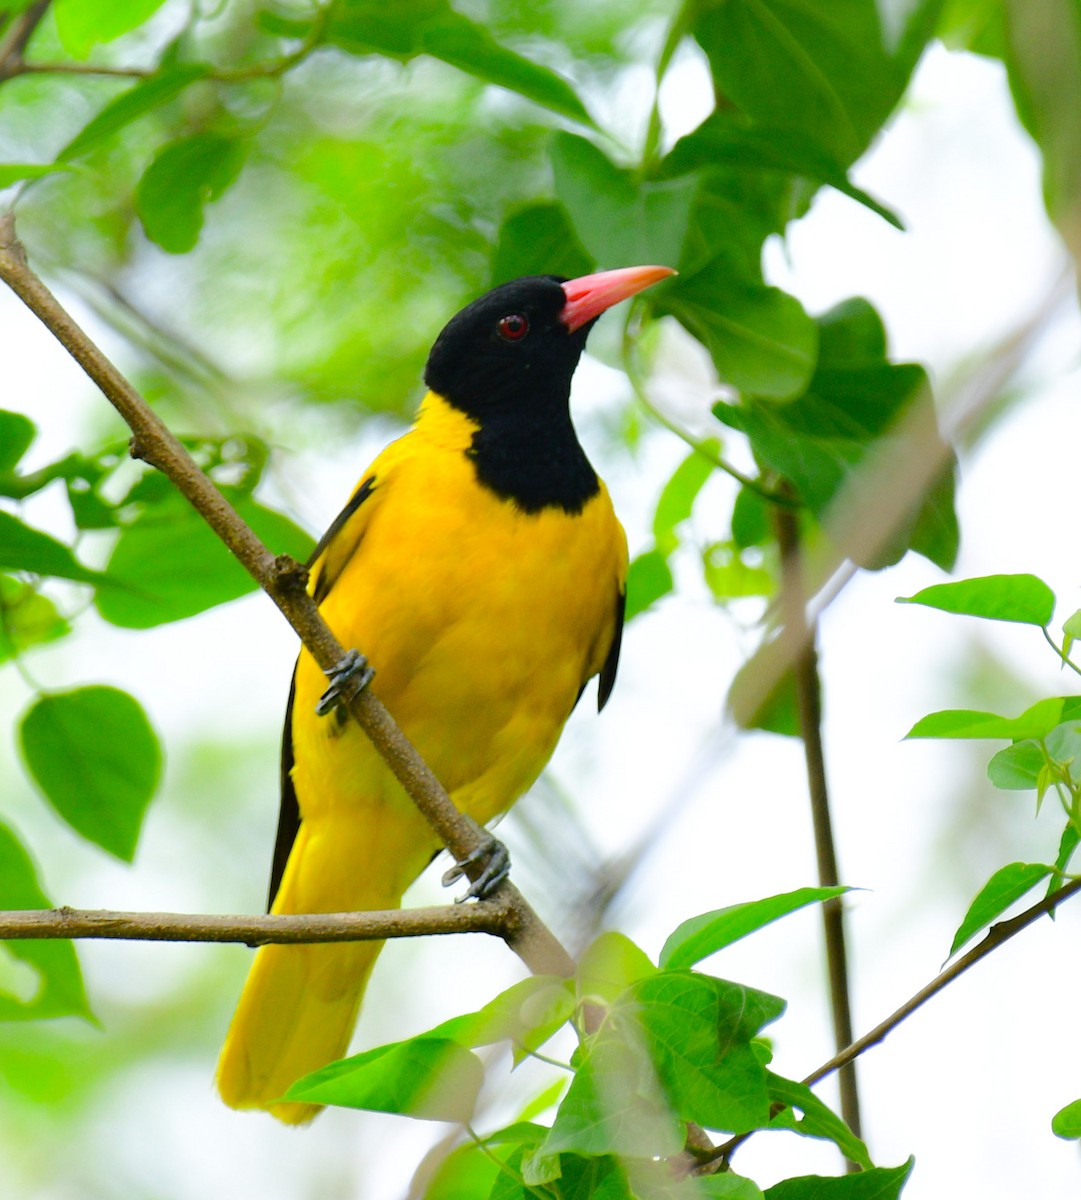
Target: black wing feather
x,y
607,679
289,813
324,581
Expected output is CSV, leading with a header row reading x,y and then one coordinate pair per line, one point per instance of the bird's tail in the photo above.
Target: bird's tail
x,y
300,1003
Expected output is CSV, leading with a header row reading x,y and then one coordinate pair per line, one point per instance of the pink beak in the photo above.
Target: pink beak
x,y
590,295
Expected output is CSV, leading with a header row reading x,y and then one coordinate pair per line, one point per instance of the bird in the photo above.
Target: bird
x,y
481,567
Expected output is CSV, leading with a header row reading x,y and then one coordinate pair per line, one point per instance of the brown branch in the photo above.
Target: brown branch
x,y
14,41
487,916
809,699
284,581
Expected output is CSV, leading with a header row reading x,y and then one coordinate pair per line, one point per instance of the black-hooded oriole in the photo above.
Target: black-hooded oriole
x,y
481,568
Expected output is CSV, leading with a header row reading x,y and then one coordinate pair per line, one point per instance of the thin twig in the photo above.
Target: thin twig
x,y
488,916
18,34
284,581
809,699
996,936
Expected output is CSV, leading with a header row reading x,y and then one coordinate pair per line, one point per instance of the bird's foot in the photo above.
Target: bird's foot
x,y
494,860
347,677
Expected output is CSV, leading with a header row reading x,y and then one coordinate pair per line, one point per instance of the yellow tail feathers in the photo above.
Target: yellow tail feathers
x,y
299,1004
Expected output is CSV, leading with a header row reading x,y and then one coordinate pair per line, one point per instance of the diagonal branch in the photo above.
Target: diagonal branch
x,y
284,581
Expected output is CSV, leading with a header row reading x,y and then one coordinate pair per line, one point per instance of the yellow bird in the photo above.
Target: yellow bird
x,y
481,568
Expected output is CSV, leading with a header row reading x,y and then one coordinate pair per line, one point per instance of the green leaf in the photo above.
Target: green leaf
x,y
82,24
760,339
185,176
619,219
1017,767
538,239
404,29
172,565
59,991
1066,1123
95,756
698,1031
23,548
430,1078
1022,598
614,1104
526,1015
1007,885
679,494
818,1119
763,693
820,71
879,1183
16,434
15,172
144,97
649,579
26,618
719,141
1034,722
467,1173
699,937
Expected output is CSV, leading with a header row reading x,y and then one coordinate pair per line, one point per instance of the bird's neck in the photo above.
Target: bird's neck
x,y
532,459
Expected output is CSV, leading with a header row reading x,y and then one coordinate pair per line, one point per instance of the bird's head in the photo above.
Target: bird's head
x,y
520,343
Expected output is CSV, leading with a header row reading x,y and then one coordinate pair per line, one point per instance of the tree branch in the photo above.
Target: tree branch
x,y
284,581
18,34
486,916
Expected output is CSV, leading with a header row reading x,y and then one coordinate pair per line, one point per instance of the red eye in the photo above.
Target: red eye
x,y
512,328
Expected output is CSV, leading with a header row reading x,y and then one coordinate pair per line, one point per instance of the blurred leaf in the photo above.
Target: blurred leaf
x,y
1034,722
144,97
26,618
430,1078
1017,767
649,579
23,548
185,176
773,708
609,965
404,29
1066,1123
751,523
699,937
859,409
60,990
679,493
15,172
172,565
728,577
16,434
1044,63
538,239
719,141
96,757
1008,884
1022,598
879,1183
818,71
619,219
467,1173
82,24
526,1015
818,1119
760,338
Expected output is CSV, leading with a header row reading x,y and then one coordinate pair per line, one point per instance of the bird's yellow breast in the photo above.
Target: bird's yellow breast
x,y
482,623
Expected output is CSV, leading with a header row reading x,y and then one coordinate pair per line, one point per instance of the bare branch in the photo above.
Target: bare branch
x,y
284,581
486,916
18,34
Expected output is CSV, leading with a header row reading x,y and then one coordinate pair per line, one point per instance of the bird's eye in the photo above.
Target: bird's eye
x,y
513,327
